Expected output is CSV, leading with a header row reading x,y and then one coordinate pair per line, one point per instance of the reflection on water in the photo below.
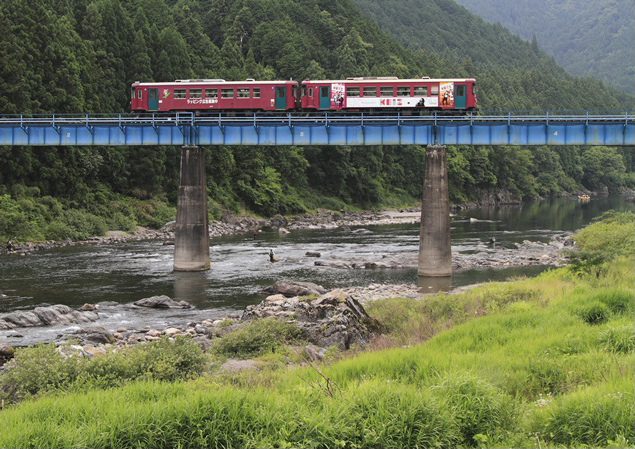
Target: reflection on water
x,y
191,287
434,284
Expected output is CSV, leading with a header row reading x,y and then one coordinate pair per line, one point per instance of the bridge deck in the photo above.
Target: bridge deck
x,y
319,129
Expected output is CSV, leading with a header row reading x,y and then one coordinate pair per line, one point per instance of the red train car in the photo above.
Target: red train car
x,y
212,95
389,94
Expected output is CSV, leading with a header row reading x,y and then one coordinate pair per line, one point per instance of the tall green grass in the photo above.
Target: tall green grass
x,y
546,362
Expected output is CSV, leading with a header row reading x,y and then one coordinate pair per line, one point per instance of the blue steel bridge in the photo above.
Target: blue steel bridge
x,y
185,129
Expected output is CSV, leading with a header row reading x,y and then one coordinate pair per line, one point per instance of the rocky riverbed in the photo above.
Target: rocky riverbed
x,y
324,318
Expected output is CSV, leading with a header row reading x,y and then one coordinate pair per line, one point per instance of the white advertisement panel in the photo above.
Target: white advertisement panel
x,y
392,102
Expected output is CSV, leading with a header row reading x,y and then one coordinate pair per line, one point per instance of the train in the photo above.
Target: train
x,y
356,94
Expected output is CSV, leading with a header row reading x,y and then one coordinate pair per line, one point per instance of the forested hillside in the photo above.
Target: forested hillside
x,y
82,55
588,38
512,73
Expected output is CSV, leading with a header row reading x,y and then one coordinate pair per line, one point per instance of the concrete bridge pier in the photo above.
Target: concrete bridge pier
x,y
435,251
191,236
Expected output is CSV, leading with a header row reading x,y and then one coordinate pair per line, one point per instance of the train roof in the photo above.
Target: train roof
x,y
374,80
205,82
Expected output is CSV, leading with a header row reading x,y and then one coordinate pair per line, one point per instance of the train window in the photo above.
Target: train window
x,y
386,91
434,90
370,91
211,93
257,93
473,89
310,91
227,93
421,91
352,91
196,93
460,91
403,91
243,93
303,90
179,94
294,91
139,94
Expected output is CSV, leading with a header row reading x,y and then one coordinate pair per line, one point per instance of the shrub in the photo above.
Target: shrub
x,y
37,368
256,338
42,368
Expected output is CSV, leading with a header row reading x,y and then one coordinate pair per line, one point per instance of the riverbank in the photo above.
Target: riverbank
x,y
535,362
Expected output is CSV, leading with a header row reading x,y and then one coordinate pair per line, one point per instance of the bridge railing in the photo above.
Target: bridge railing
x,y
321,118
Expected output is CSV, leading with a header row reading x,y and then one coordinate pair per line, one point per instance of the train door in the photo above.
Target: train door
x,y
281,98
325,97
153,99
459,96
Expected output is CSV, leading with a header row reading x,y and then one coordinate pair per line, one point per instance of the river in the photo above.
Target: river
x,y
116,275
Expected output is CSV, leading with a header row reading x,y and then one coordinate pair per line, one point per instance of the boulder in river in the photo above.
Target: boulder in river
x,y
44,316
162,302
294,288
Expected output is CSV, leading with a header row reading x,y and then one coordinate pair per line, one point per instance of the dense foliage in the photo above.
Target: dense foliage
x,y
587,38
543,362
82,55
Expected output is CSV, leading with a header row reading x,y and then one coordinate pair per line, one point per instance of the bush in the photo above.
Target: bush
x,y
42,368
35,369
256,338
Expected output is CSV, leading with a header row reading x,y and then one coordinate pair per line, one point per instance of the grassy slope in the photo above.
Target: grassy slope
x,y
547,363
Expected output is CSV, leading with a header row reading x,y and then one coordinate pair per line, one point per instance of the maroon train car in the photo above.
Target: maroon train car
x,y
214,95
389,94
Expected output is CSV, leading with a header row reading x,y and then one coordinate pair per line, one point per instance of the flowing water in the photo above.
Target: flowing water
x,y
117,275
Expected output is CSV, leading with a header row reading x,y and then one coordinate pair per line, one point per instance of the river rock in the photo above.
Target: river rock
x,y
6,351
44,316
333,319
313,254
294,288
162,302
88,307
95,334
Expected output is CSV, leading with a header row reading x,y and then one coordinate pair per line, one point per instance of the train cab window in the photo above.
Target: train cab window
x,y
434,90
257,93
179,94
352,91
421,91
294,91
196,93
139,94
460,91
227,93
387,91
310,91
303,90
370,91
242,93
211,93
473,89
403,91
